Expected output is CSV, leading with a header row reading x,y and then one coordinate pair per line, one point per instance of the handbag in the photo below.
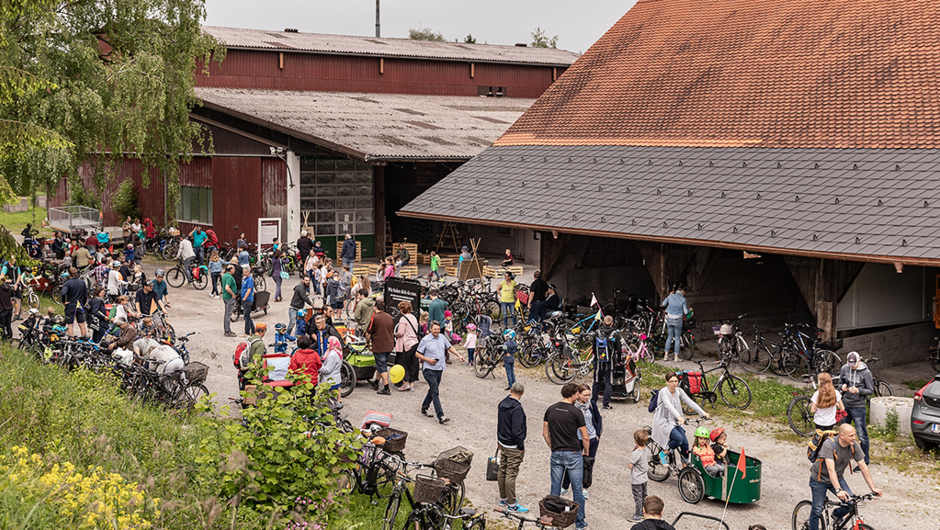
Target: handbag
x,y
492,467
284,275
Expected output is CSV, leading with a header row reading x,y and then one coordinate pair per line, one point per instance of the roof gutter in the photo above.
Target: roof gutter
x,y
867,258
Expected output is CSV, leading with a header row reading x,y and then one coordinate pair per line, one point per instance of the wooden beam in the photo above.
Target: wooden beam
x,y
667,264
378,173
381,66
280,60
823,283
472,70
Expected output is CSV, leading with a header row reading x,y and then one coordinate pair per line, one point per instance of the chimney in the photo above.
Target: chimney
x,y
378,25
290,30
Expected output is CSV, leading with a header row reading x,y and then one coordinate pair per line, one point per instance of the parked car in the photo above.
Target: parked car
x,y
925,417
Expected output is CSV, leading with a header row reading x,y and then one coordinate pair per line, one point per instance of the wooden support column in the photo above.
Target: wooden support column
x,y
378,173
551,251
667,264
823,283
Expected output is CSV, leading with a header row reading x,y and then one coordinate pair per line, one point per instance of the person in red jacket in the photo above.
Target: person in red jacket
x,y
306,361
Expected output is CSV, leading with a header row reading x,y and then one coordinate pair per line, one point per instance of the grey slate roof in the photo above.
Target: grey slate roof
x,y
404,48
377,126
864,204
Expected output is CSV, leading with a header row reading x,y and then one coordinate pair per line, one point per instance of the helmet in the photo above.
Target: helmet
x,y
301,313
509,334
471,327
701,432
716,433
59,329
159,273
33,311
280,326
115,264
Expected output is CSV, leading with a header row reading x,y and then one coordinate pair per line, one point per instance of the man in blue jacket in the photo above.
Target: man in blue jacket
x,y
510,433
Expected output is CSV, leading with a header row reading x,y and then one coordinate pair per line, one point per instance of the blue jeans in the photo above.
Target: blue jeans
x,y
861,427
470,355
572,463
433,377
509,308
348,262
592,452
246,312
200,254
674,330
277,285
216,278
819,496
510,373
677,438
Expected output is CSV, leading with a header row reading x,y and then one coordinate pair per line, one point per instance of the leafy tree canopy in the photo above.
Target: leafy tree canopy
x,y
93,80
425,34
540,40
469,39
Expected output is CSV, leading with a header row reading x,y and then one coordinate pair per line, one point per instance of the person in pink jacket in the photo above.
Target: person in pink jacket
x,y
406,342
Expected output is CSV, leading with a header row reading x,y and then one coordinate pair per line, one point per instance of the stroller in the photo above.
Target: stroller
x,y
625,378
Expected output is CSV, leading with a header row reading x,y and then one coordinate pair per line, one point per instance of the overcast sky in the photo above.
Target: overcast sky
x,y
578,25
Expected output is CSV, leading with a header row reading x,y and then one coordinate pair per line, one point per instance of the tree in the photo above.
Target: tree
x,y
540,40
91,82
425,34
469,39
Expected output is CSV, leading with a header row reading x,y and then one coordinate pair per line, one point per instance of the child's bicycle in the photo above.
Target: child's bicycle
x,y
826,520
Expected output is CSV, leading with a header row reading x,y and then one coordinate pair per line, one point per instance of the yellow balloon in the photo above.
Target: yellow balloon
x,y
397,373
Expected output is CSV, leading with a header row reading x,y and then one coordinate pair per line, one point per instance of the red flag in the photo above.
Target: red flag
x,y
742,464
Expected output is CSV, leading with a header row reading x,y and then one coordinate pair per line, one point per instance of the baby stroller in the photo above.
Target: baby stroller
x,y
625,380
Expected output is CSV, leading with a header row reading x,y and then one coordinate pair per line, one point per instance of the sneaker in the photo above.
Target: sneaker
x,y
518,508
608,407
635,518
384,392
230,334
427,413
374,384
502,502
443,419
584,493
563,492
663,459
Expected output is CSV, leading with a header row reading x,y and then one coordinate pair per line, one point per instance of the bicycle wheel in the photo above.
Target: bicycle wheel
x,y
168,252
863,526
827,361
686,346
259,283
202,281
800,417
698,398
175,277
381,476
452,498
530,356
801,515
560,370
482,363
391,512
657,470
348,382
795,366
882,389
190,396
424,518
691,485
734,392
32,301
758,359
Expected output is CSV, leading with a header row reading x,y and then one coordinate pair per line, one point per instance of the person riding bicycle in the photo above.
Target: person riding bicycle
x,y
606,354
668,419
836,454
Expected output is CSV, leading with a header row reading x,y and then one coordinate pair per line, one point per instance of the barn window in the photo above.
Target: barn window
x,y
195,205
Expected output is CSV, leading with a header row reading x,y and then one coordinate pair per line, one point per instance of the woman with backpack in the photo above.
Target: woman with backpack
x,y
668,421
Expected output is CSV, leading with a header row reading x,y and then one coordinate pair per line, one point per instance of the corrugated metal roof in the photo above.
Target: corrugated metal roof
x,y
865,204
355,45
377,126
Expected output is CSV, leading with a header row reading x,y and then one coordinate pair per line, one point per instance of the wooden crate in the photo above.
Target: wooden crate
x,y
339,248
498,271
408,271
369,269
451,270
448,261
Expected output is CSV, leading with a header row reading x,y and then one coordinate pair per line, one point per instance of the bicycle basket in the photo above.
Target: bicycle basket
x,y
562,511
394,439
196,373
453,464
428,489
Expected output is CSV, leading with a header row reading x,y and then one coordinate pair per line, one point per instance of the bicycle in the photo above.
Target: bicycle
x,y
799,411
801,355
933,356
826,521
733,390
663,463
198,276
488,356
571,362
760,357
542,522
446,498
882,388
731,343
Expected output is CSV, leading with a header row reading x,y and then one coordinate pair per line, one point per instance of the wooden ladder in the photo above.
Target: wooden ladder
x,y
449,233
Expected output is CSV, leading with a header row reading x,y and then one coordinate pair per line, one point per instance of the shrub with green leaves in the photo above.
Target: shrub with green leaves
x,y
285,453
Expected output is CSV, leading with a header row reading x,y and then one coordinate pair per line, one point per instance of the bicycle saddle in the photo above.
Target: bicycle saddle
x,y
546,520
468,512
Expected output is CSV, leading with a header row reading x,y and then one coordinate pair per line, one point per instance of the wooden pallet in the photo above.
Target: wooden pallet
x,y
339,248
448,261
408,271
495,272
369,269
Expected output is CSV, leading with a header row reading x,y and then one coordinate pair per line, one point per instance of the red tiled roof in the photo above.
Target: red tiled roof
x,y
737,73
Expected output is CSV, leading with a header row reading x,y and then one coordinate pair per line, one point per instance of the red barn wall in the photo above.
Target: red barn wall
x,y
345,73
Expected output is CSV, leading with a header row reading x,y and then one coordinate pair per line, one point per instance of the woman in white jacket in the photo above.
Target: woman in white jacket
x,y
668,430
331,370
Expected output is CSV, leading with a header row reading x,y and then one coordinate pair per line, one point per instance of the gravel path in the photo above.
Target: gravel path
x,y
909,502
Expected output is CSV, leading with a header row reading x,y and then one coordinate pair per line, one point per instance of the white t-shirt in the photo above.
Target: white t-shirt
x,y
825,416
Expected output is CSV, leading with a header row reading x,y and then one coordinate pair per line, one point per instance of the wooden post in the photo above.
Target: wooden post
x,y
378,173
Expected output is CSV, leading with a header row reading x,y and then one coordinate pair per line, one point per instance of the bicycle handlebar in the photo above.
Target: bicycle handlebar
x,y
509,514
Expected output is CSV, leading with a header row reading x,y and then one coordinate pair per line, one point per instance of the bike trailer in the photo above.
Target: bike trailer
x,y
731,486
262,298
361,359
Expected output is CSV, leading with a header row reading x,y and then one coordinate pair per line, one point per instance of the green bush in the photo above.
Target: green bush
x,y
280,463
124,201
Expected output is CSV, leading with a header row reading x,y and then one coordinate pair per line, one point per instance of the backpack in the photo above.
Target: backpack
x,y
242,357
654,400
814,445
603,355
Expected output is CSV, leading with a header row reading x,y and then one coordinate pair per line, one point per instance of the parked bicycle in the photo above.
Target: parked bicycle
x,y
826,520
761,356
802,354
731,343
541,523
933,356
733,390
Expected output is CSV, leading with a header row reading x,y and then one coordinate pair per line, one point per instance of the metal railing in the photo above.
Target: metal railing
x,y
72,217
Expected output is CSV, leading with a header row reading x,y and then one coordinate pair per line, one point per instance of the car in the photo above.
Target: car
x,y
925,417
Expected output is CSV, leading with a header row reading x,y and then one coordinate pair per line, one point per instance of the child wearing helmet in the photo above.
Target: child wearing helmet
x,y
719,439
282,337
471,342
704,451
509,356
448,327
301,323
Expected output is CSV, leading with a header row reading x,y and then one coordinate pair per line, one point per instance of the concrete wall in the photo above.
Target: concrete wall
x,y
900,345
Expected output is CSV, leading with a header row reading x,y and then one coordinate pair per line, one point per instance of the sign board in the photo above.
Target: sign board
x,y
471,268
268,229
401,290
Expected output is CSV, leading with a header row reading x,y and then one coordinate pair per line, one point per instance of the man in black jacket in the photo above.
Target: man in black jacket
x,y
538,290
510,433
606,355
304,246
300,298
653,516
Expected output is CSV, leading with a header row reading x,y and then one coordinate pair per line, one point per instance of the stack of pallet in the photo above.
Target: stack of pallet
x,y
408,271
495,272
369,269
339,248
